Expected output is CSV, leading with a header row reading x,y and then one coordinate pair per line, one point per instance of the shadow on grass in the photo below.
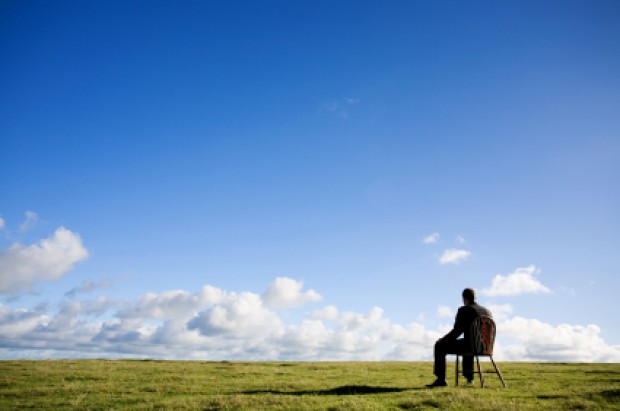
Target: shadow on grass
x,y
611,395
343,390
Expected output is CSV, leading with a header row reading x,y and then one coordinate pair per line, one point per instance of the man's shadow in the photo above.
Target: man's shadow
x,y
343,390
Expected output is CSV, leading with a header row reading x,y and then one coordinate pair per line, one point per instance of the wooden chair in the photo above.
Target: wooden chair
x,y
482,333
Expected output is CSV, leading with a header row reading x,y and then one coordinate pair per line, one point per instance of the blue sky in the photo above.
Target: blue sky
x,y
176,177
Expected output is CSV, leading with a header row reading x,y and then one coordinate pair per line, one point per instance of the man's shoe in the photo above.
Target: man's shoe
x,y
470,382
437,383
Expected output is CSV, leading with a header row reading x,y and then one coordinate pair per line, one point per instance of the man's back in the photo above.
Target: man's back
x,y
471,312
475,310
465,316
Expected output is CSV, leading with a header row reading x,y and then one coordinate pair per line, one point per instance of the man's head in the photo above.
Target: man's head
x,y
469,296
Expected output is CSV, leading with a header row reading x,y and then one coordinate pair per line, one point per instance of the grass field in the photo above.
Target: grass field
x,y
147,384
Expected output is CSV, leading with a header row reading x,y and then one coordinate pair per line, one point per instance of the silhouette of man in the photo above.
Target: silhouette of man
x,y
451,344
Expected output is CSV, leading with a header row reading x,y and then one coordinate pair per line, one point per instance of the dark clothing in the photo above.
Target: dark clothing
x,y
444,347
451,344
464,318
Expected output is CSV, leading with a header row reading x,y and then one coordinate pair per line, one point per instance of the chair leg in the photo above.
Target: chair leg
x,y
499,374
480,372
457,370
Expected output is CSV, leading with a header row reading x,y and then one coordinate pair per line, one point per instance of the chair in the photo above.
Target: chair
x,y
482,334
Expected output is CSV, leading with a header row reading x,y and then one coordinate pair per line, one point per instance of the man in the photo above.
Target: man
x,y
451,344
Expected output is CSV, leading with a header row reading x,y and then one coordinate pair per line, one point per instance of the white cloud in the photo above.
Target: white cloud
x,y
286,293
239,315
167,305
49,259
31,220
431,239
173,304
306,340
412,343
217,324
15,323
453,256
94,307
328,313
460,239
534,340
500,311
2,223
445,311
521,281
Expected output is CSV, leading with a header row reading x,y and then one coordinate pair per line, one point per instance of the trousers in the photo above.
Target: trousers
x,y
458,346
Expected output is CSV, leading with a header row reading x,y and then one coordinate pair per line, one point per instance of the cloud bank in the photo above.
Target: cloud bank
x,y
217,324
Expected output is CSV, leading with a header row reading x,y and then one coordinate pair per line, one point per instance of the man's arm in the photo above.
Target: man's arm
x,y
459,325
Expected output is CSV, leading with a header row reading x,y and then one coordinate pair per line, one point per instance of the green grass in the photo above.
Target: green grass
x,y
103,384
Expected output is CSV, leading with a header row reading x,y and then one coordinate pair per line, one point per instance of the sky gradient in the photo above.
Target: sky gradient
x,y
308,180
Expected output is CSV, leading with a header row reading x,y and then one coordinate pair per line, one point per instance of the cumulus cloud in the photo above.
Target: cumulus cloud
x,y
412,343
453,256
49,259
169,304
431,239
535,340
286,293
500,311
228,325
16,322
328,313
94,307
218,324
173,304
239,315
521,281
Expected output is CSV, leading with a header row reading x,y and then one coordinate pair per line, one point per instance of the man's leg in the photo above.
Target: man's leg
x,y
468,367
439,368
460,347
443,347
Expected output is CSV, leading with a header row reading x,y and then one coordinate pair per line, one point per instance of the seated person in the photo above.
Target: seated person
x,y
451,344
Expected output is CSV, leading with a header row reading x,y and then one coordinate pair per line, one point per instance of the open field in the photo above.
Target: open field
x,y
147,384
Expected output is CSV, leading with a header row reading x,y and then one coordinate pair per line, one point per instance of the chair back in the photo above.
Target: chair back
x,y
483,335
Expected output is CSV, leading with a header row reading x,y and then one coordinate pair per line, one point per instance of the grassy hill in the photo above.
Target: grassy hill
x,y
147,384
